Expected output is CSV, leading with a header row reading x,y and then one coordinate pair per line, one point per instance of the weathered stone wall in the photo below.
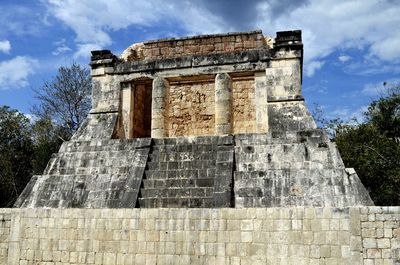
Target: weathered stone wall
x,y
243,109
293,169
190,109
272,102
367,235
246,170
90,174
380,233
5,223
198,45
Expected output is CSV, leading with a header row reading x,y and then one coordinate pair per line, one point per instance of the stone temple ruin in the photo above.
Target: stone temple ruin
x,y
201,122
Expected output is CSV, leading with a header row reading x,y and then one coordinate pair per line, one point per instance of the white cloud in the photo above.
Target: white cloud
x,y
85,49
372,89
61,47
14,73
313,66
5,46
21,19
328,25
348,114
344,58
319,87
380,88
93,20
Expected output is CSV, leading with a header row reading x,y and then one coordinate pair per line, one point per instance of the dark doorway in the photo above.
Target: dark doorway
x,y
141,105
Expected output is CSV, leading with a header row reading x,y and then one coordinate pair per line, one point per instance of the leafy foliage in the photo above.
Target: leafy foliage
x,y
375,157
373,147
65,99
46,141
16,150
384,113
25,148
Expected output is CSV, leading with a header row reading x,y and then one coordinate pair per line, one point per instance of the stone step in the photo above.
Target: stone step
x,y
290,187
96,162
180,174
88,170
105,145
195,140
179,183
329,172
177,192
176,203
183,165
181,156
282,165
297,152
122,155
313,137
102,190
192,148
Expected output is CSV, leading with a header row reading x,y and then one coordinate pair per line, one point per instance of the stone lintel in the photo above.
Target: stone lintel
x,y
206,36
272,99
252,56
111,109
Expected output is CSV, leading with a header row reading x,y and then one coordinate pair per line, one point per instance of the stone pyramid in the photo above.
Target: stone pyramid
x,y
204,121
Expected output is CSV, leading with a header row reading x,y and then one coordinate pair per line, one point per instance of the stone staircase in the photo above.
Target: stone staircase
x,y
250,170
189,172
90,174
293,169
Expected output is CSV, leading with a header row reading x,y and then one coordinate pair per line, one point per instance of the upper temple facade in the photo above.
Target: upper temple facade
x,y
205,121
205,85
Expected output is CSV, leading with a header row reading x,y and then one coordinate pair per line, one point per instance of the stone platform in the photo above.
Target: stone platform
x,y
198,122
248,236
251,170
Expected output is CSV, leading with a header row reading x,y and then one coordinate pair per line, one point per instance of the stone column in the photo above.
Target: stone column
x,y
223,104
159,99
127,108
261,102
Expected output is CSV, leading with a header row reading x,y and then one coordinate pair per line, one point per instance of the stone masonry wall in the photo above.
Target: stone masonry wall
x,y
367,235
191,109
243,109
380,233
5,223
199,45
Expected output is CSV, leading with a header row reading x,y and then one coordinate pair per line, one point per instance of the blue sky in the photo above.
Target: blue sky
x,y
350,47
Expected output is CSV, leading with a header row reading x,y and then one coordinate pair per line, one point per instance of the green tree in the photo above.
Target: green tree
x,y
372,148
384,113
46,141
16,150
375,157
65,99
25,147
